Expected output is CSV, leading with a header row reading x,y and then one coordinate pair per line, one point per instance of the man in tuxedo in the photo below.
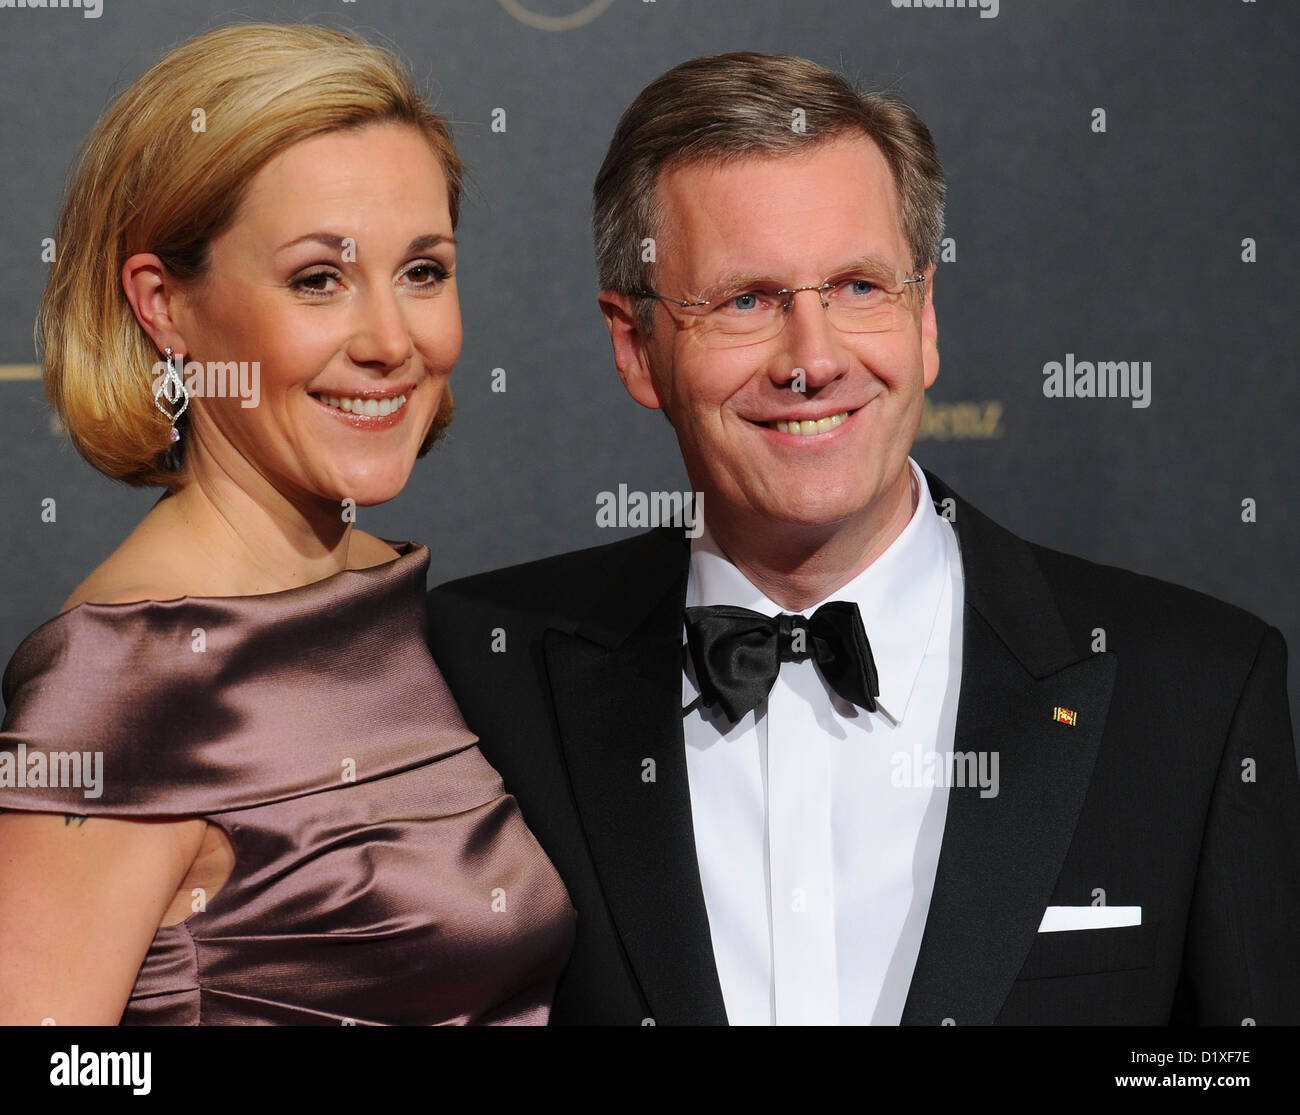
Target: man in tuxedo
x,y
857,754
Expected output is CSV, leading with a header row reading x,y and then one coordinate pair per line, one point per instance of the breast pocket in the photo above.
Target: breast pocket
x,y
1078,952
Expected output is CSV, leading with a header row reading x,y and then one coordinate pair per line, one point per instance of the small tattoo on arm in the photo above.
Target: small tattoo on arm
x,y
72,818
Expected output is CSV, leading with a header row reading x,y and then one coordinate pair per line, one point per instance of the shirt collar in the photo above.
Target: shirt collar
x,y
898,595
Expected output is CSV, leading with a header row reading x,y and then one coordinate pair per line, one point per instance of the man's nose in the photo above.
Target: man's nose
x,y
810,339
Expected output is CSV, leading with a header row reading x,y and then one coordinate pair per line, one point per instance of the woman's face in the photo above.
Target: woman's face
x,y
337,278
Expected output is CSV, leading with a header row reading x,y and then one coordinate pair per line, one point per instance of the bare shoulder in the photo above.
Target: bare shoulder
x,y
136,570
365,550
155,563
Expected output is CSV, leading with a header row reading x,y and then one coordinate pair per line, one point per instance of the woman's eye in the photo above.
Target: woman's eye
x,y
315,283
427,275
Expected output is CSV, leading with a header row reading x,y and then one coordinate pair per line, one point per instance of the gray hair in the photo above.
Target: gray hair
x,y
732,106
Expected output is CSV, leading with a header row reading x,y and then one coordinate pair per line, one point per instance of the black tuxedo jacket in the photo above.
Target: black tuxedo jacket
x,y
1175,789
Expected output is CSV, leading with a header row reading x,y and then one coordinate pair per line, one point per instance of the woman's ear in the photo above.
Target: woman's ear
x,y
152,293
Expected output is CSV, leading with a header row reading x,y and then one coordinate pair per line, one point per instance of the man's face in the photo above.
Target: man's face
x,y
784,222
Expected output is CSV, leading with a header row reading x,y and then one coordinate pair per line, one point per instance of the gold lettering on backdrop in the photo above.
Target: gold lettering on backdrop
x,y
961,421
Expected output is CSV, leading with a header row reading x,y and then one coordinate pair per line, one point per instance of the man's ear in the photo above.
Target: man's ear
x,y
929,331
153,295
630,347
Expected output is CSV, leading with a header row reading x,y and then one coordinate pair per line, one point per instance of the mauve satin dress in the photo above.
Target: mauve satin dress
x,y
382,873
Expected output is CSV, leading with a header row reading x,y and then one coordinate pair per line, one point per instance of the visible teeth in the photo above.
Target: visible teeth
x,y
813,426
370,408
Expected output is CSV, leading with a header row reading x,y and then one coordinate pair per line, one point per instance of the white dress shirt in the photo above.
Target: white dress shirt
x,y
816,834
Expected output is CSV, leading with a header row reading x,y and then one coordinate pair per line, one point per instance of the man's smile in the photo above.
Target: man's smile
x,y
811,424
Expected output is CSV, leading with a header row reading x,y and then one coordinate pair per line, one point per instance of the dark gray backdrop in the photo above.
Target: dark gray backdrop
x,y
1122,245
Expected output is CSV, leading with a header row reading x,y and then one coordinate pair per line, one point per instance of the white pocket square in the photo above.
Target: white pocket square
x,y
1057,919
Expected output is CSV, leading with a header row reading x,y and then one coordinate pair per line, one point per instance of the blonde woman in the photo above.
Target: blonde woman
x,y
276,814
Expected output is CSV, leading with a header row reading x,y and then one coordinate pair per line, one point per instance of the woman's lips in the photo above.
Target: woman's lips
x,y
365,412
366,406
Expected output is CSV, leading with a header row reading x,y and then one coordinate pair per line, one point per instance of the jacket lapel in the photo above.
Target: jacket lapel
x,y
1001,855
616,680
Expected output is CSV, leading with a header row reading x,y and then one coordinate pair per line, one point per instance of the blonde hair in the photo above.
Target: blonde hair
x,y
149,180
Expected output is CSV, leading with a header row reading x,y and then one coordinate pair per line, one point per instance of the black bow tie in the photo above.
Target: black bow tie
x,y
738,653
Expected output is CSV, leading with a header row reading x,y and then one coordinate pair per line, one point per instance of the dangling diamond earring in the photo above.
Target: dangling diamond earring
x,y
172,388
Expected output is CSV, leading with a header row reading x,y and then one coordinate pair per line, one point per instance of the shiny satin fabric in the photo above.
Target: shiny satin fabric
x,y
382,873
738,653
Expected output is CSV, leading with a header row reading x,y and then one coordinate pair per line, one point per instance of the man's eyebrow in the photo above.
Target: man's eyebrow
x,y
334,242
873,265
735,281
740,280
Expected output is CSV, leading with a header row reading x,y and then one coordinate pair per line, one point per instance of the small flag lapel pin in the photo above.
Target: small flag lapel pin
x,y
1065,716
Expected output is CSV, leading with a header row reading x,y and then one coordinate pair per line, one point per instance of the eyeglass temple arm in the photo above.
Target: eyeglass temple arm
x,y
647,293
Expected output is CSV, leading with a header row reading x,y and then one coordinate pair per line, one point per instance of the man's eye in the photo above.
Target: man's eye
x,y
859,288
743,302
